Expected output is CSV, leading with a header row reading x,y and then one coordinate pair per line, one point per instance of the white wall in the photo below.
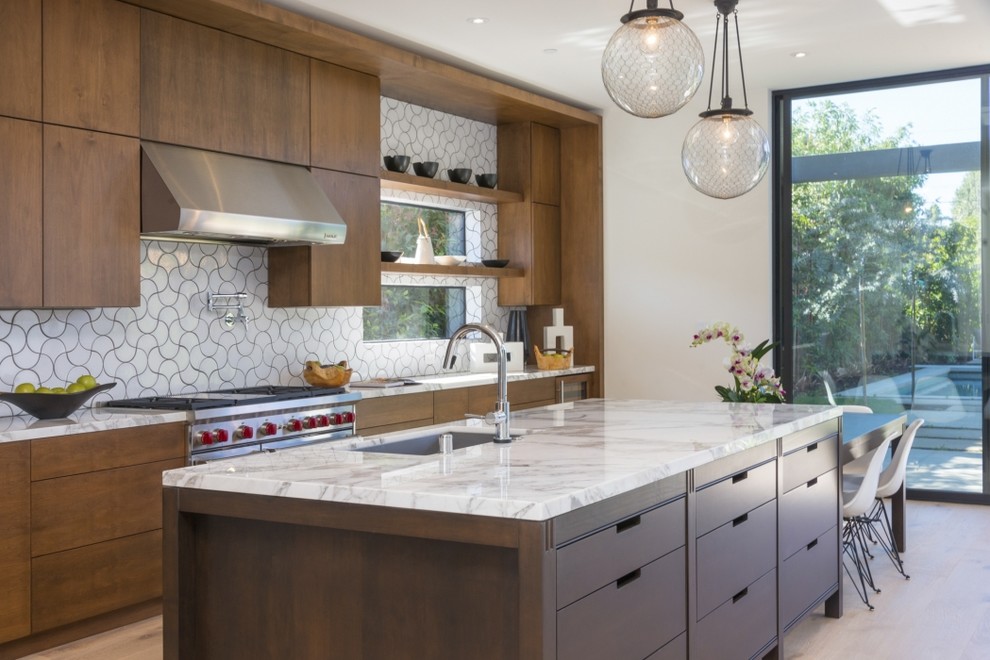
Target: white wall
x,y
676,259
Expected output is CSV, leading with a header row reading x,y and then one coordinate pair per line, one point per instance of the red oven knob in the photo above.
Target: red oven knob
x,y
268,428
309,423
244,433
293,425
336,419
349,417
206,438
221,435
322,420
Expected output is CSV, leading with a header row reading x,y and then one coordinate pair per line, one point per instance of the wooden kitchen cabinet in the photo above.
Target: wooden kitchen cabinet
x,y
92,65
205,88
334,275
96,521
20,53
91,254
345,114
394,413
15,541
20,213
529,232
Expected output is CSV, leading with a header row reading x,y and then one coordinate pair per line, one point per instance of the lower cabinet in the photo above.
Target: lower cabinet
x,y
82,518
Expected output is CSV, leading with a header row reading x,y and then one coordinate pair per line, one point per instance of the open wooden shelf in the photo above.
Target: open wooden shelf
x,y
460,271
421,184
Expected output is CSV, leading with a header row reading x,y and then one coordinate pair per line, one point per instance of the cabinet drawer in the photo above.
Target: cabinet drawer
x,y
104,450
395,410
806,463
733,496
809,574
675,649
629,618
807,511
734,555
603,557
538,391
77,584
70,512
743,626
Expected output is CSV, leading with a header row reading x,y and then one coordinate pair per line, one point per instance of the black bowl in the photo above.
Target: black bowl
x,y
427,168
495,263
52,406
459,175
396,163
390,256
486,180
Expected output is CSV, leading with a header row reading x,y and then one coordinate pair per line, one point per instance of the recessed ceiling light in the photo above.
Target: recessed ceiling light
x,y
799,54
477,20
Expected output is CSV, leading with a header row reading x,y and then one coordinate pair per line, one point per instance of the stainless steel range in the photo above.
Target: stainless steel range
x,y
239,421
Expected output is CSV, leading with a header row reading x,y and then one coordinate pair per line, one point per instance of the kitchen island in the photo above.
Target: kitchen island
x,y
607,529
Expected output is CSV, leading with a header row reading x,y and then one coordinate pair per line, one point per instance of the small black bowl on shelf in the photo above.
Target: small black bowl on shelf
x,y
52,406
459,175
427,168
495,263
488,180
396,163
390,256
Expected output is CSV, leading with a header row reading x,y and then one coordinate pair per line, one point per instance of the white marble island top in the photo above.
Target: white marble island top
x,y
568,456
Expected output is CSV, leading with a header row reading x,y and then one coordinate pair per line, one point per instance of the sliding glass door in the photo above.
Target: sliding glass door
x,y
881,215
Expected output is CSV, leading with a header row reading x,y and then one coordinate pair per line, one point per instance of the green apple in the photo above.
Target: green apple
x,y
43,390
75,387
87,381
25,388
58,390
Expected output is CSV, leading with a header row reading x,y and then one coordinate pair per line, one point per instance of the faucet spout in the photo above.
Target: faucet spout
x,y
500,417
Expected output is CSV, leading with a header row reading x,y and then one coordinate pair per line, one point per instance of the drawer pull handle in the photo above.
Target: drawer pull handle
x,y
627,524
811,545
627,578
813,482
813,447
740,520
739,596
739,477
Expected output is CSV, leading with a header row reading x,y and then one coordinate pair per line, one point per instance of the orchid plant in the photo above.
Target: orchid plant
x,y
753,383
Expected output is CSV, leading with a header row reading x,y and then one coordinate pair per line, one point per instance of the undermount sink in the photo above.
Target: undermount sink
x,y
425,445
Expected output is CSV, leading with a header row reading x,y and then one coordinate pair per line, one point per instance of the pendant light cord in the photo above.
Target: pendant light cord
x,y
711,80
742,72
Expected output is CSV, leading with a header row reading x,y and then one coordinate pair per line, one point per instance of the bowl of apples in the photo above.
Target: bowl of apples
x,y
55,402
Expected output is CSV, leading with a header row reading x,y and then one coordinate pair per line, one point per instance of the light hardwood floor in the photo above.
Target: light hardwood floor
x,y
941,613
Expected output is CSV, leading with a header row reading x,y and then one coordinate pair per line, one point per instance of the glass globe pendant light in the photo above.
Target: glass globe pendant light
x,y
726,153
653,64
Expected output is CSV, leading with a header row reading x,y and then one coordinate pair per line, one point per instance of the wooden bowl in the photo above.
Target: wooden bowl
x,y
327,375
553,360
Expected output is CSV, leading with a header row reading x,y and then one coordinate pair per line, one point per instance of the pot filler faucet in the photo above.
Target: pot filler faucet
x,y
500,418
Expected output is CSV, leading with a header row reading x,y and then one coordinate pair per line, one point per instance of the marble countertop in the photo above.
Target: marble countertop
x,y
465,379
85,420
569,455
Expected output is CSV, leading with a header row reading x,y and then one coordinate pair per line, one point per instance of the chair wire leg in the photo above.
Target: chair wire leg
x,y
851,551
887,538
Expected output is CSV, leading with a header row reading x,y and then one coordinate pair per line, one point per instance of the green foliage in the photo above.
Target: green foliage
x,y
880,283
400,228
415,312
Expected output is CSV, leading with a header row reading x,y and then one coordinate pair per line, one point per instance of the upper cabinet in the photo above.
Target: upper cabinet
x,y
205,88
345,119
92,65
92,206
20,52
334,275
20,213
529,232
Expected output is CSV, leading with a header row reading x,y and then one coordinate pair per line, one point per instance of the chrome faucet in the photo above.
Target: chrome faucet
x,y
500,417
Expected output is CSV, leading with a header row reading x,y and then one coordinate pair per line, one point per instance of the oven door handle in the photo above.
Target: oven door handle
x,y
307,440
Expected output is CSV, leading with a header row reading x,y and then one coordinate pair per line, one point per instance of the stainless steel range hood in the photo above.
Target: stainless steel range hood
x,y
190,194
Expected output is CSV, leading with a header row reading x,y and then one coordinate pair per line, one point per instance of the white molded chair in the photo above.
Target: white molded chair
x,y
891,481
853,408
857,503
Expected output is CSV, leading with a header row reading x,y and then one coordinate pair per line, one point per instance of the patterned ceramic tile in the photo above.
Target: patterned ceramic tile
x,y
172,343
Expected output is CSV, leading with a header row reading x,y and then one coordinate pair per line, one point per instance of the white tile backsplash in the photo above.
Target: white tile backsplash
x,y
173,344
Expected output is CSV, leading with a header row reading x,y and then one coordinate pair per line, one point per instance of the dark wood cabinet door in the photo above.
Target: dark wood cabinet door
x,y
20,58
545,155
15,541
205,88
345,115
334,275
92,65
91,219
545,272
20,213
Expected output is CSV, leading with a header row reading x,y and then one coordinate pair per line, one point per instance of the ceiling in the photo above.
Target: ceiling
x,y
555,47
